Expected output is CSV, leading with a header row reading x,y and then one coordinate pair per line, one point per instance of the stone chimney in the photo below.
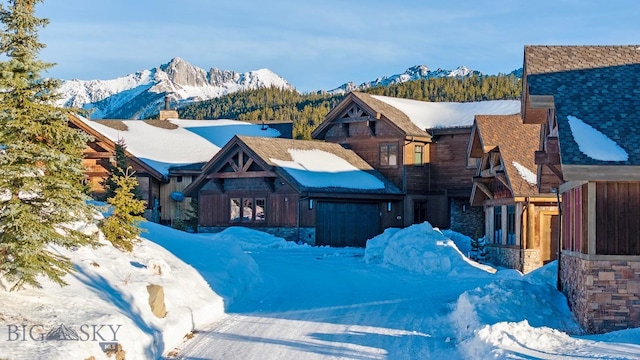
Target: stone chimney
x,y
167,113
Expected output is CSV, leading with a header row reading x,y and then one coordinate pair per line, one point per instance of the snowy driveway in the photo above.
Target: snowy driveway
x,y
320,303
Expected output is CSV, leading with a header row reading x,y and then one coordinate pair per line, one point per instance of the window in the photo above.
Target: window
x,y
247,210
511,225
497,224
389,155
179,179
418,155
260,204
234,210
419,212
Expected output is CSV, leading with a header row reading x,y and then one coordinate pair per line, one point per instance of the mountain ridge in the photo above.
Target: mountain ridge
x,y
141,94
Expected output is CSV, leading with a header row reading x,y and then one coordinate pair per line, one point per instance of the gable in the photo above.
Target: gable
x,y
238,162
361,114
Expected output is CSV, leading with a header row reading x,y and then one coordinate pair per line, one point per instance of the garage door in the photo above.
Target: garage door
x,y
346,224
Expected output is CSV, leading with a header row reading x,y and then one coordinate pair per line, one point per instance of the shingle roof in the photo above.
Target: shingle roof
x,y
517,143
606,98
547,59
400,119
277,148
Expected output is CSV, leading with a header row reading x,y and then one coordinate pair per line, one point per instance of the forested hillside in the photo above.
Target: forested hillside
x,y
308,110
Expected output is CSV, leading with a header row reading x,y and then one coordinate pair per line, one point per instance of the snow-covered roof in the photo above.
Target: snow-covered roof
x,y
433,115
320,169
182,143
319,166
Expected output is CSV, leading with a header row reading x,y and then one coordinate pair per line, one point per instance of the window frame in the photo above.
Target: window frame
x,y
497,225
244,203
421,152
385,150
511,225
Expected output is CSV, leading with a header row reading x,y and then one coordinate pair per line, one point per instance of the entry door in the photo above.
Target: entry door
x,y
549,234
346,224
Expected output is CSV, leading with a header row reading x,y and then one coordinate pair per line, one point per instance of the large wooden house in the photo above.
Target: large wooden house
x,y
420,147
587,100
521,223
306,191
166,155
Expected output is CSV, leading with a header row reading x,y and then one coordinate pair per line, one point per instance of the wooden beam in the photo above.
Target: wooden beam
x,y
233,165
483,179
542,157
485,190
555,171
354,119
240,175
97,155
503,179
541,101
247,164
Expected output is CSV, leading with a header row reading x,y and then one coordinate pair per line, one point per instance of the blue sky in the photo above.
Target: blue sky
x,y
320,44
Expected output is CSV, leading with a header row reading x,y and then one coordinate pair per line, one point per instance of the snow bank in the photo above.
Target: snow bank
x,y
250,239
218,257
107,301
420,248
489,319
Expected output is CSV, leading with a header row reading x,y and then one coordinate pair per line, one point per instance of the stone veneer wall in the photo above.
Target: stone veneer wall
x,y
466,219
604,295
508,257
531,260
306,235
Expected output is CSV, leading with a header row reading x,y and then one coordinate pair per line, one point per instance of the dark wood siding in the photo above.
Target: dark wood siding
x,y
346,224
283,210
618,215
449,168
213,209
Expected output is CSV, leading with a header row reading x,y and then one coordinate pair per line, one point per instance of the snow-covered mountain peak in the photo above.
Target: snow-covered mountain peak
x,y
141,94
416,72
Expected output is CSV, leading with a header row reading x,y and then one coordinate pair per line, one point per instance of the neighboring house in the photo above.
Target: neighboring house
x,y
419,146
166,155
311,191
521,223
587,99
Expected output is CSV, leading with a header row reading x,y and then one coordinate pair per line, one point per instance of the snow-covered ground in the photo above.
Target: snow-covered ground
x,y
411,294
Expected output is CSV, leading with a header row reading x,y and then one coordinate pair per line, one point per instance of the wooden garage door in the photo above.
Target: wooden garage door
x,y
346,224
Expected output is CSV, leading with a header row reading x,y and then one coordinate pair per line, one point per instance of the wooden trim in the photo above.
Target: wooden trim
x,y
570,185
373,198
241,174
97,155
542,101
591,218
601,172
354,119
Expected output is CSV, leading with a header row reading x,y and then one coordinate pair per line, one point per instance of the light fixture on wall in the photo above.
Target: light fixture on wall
x,y
310,204
389,206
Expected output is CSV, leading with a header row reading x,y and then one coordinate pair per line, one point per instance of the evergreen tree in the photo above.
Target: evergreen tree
x,y
115,170
121,227
192,214
41,171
